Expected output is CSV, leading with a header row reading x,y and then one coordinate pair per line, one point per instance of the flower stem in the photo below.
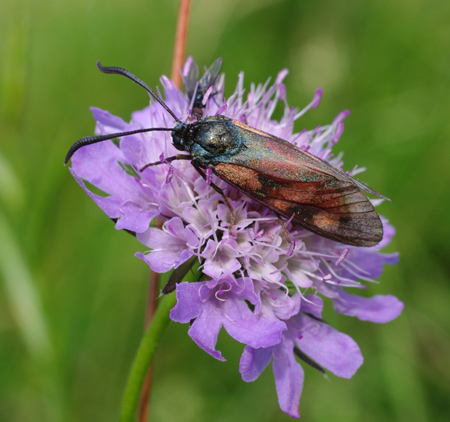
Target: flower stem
x,y
180,41
151,309
144,357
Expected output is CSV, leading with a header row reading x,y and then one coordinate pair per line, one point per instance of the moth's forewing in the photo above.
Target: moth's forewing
x,y
368,189
295,183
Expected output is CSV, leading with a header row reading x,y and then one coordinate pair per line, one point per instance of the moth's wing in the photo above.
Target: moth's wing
x,y
269,152
210,76
337,210
293,182
276,157
368,189
191,79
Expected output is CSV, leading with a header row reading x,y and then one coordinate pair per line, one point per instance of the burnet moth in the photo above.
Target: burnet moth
x,y
196,89
290,181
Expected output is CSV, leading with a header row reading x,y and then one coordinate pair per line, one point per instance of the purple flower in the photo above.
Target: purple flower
x,y
222,302
263,287
329,348
171,246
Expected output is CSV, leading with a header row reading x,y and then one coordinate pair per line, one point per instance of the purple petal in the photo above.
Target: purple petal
x,y
244,326
188,304
389,232
208,319
133,148
161,261
143,117
288,378
156,238
110,123
331,349
137,221
370,261
253,362
171,246
243,288
205,330
110,205
223,260
317,98
312,304
379,309
98,164
175,226
278,305
280,77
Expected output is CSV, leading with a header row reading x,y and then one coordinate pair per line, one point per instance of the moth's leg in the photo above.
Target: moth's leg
x,y
280,220
286,233
220,191
197,115
167,160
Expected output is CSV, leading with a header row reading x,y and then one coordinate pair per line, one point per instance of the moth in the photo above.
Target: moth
x,y
288,180
196,90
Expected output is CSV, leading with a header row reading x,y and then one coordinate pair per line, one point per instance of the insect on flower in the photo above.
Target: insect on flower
x,y
196,91
288,180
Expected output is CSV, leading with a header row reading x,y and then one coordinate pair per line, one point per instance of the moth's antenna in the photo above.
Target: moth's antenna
x,y
129,75
89,140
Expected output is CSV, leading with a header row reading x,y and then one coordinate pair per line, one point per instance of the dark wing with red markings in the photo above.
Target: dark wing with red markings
x,y
295,183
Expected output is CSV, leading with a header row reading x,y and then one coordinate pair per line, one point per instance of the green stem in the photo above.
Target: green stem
x,y
144,357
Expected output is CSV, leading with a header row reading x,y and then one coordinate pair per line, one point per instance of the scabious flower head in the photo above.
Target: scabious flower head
x,y
264,287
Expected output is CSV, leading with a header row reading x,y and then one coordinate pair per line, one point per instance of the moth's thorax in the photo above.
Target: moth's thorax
x,y
212,138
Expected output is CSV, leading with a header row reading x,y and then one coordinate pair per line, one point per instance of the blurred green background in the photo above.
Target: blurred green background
x,y
72,295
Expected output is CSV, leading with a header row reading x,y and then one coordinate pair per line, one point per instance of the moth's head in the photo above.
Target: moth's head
x,y
179,136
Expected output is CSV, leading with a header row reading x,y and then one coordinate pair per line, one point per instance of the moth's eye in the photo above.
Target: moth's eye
x,y
178,141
